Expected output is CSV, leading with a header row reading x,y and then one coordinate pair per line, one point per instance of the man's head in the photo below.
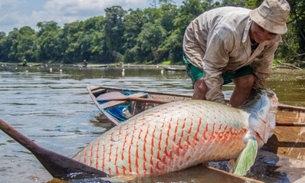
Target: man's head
x,y
271,16
259,34
269,20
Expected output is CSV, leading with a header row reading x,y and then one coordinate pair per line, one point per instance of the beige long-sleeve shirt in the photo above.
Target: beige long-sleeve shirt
x,y
218,41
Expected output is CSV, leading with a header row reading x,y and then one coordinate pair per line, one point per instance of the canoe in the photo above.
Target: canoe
x,y
288,138
175,68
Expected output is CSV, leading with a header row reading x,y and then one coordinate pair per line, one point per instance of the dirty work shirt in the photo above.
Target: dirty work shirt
x,y
218,41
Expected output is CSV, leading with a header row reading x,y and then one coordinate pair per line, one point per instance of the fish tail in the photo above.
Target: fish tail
x,y
247,157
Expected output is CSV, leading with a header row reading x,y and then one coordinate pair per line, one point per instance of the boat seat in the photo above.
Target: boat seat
x,y
115,103
94,91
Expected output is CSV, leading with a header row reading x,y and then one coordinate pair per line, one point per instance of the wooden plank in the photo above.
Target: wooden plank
x,y
115,103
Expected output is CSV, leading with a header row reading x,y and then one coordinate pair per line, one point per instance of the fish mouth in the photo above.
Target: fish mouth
x,y
262,108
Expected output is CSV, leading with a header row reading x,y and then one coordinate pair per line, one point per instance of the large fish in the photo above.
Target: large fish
x,y
181,134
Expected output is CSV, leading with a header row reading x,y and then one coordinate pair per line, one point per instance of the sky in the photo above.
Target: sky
x,y
19,13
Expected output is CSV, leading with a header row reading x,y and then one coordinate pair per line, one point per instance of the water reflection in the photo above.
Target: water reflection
x,y
54,109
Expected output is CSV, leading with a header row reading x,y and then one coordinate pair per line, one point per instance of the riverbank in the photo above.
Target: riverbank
x,y
93,66
165,66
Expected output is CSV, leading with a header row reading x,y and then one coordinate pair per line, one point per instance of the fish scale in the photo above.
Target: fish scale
x,y
168,138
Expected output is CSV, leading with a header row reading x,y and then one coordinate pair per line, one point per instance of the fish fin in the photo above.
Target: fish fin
x,y
231,165
247,157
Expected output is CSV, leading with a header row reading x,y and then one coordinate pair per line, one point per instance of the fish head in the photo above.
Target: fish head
x,y
262,107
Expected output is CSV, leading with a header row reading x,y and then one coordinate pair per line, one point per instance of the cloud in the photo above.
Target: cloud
x,y
10,13
10,5
83,8
19,13
72,10
60,11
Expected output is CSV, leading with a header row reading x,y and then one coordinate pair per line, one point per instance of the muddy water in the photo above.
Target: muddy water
x,y
55,111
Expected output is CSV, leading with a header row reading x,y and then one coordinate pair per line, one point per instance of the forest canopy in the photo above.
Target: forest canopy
x,y
141,36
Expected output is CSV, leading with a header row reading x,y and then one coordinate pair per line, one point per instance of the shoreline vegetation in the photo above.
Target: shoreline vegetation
x,y
165,66
80,65
152,35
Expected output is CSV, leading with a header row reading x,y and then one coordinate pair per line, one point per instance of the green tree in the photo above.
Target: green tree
x,y
47,26
168,12
10,44
3,50
2,34
150,38
133,24
295,38
189,10
27,44
50,44
114,32
71,35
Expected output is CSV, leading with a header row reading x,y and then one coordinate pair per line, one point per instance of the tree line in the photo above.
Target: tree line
x,y
141,36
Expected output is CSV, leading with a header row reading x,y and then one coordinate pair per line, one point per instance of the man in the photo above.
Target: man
x,y
85,63
233,44
25,62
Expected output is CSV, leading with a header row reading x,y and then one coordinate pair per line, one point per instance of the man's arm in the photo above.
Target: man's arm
x,y
215,59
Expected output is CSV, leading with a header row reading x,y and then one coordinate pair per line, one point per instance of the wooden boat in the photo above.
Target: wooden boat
x,y
174,68
288,138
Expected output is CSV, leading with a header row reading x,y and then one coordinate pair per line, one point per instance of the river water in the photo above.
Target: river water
x,y
51,106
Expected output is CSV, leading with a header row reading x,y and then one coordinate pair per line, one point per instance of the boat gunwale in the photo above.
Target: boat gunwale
x,y
89,87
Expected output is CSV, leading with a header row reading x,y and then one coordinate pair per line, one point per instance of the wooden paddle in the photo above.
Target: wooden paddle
x,y
57,165
117,96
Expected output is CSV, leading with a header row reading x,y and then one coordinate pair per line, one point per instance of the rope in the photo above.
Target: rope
x,y
111,111
75,120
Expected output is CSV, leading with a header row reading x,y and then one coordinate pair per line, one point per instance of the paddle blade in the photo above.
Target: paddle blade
x,y
57,165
